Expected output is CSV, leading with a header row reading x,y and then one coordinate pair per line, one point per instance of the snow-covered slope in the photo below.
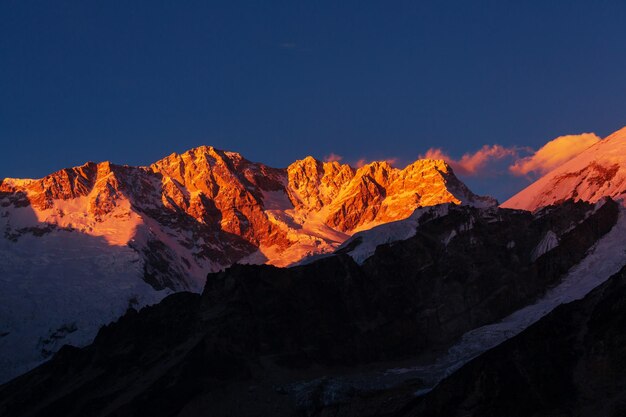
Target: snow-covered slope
x,y
63,274
363,244
59,288
597,172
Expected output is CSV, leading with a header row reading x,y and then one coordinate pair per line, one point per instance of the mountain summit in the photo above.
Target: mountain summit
x,y
599,171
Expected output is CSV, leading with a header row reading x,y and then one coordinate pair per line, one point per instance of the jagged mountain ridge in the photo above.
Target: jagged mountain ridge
x,y
82,245
237,205
597,172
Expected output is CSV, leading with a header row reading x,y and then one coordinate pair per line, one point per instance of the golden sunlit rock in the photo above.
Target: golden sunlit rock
x,y
279,216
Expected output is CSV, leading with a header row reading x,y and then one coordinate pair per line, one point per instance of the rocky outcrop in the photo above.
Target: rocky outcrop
x,y
239,348
222,190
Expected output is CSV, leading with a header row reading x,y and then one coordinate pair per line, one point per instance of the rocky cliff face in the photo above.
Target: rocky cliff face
x,y
258,338
218,208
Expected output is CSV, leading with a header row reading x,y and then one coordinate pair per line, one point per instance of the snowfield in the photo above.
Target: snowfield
x,y
62,276
59,289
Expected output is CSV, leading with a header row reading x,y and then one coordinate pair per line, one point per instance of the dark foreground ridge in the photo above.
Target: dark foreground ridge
x,y
256,332
570,363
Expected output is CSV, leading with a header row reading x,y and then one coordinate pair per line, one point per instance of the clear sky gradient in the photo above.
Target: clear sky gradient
x,y
133,81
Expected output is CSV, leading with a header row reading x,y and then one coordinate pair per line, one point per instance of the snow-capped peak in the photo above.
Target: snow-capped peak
x,y
599,171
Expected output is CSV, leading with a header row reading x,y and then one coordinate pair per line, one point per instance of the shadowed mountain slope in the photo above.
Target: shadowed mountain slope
x,y
247,343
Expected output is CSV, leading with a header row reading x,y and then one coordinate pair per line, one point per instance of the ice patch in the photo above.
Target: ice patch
x,y
547,243
449,238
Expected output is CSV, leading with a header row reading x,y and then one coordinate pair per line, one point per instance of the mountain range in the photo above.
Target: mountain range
x,y
319,289
82,245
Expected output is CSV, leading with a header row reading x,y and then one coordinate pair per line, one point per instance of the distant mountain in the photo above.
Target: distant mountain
x,y
597,172
82,245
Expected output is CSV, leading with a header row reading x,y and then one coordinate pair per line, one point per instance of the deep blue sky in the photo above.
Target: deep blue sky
x,y
133,81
